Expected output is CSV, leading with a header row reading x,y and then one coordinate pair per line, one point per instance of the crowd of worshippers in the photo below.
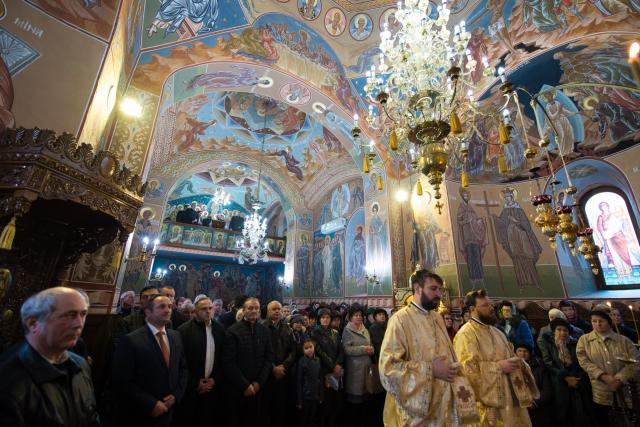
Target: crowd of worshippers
x,y
198,214
276,365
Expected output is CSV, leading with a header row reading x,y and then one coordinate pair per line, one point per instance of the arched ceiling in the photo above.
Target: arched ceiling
x,y
238,180
212,81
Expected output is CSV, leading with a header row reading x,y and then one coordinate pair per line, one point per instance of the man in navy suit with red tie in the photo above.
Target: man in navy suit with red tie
x,y
150,369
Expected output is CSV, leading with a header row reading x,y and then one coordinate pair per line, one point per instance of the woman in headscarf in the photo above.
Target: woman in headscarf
x,y
571,387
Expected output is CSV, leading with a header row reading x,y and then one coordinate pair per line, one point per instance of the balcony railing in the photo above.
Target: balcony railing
x,y
217,239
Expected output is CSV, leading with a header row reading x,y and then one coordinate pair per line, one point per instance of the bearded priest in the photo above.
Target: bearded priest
x,y
503,383
418,366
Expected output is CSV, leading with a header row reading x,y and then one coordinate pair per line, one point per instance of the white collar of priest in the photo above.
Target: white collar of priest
x,y
422,309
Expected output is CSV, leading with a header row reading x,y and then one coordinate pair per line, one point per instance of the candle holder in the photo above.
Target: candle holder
x,y
546,219
567,229
144,256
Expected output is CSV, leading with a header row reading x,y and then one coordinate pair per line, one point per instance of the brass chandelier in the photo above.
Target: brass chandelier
x,y
421,96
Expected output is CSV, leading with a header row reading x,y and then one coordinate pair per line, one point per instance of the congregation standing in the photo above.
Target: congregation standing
x,y
322,366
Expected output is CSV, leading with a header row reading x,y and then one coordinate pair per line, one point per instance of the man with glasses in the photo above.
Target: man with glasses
x,y
503,384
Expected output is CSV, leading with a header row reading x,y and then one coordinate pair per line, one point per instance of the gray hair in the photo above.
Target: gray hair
x,y
41,305
200,298
124,294
554,313
188,306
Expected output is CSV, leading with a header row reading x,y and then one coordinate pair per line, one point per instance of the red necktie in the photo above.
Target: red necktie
x,y
163,347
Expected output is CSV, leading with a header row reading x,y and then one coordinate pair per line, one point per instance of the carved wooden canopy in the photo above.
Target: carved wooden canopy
x,y
37,164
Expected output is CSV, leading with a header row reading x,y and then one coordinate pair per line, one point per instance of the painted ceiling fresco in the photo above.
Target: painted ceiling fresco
x,y
238,180
222,69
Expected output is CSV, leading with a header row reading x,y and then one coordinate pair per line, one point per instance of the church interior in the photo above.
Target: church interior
x,y
315,152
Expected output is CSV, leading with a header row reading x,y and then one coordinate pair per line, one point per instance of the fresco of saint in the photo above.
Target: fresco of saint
x,y
517,238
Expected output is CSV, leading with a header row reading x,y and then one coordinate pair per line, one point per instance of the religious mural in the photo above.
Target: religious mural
x,y
173,20
518,240
378,249
132,134
497,245
589,121
335,21
295,143
614,232
601,182
274,39
328,264
222,280
356,255
303,276
427,235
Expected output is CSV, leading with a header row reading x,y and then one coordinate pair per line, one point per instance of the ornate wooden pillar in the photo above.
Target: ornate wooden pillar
x,y
66,201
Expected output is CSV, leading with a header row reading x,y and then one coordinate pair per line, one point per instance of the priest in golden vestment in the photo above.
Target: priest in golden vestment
x,y
418,366
503,384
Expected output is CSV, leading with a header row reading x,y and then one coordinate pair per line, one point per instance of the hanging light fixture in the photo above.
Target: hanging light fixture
x,y
252,247
220,199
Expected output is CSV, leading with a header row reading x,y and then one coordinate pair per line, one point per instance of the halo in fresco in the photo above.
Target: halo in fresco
x,y
360,26
3,9
389,17
309,9
295,93
458,5
335,21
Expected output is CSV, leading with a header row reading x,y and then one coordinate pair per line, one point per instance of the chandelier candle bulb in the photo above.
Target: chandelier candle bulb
x,y
393,140
503,168
634,61
464,179
503,131
379,183
365,164
419,188
456,126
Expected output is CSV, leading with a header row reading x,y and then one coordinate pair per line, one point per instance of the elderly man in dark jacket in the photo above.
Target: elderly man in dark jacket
x,y
203,342
43,383
283,363
248,360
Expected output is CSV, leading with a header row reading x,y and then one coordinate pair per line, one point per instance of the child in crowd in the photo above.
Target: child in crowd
x,y
309,385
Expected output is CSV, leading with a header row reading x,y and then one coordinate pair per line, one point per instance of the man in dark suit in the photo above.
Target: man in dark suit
x,y
203,341
247,360
190,215
149,369
177,318
237,221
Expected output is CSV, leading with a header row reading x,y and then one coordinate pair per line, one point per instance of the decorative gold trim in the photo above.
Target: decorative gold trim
x,y
350,6
36,163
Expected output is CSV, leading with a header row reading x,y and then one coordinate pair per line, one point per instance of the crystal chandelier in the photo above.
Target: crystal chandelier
x,y
220,198
418,94
252,247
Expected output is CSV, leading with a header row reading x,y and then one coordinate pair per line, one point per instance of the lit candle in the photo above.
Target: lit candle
x,y
356,118
155,246
145,243
633,316
634,61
